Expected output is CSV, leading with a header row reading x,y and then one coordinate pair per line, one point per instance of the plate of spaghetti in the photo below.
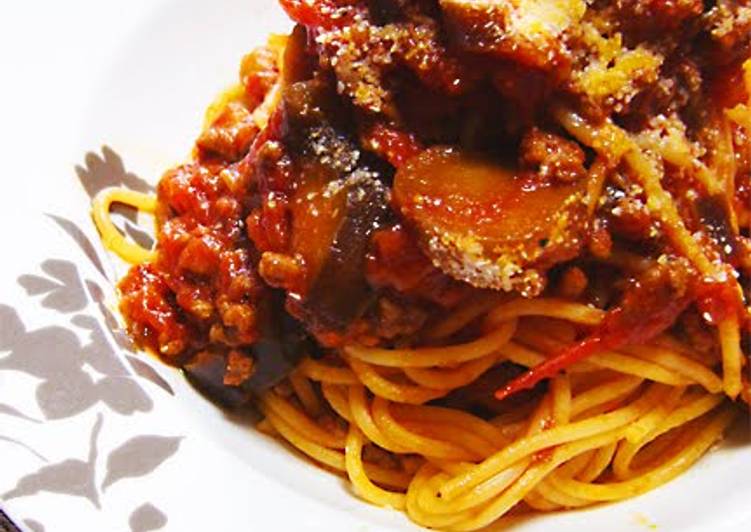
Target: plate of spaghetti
x,y
464,264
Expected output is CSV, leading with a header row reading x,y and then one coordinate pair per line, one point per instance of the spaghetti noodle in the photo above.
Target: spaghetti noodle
x,y
480,262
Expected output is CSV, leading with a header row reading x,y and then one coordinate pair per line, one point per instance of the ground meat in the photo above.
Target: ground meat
x,y
396,261
200,255
573,283
363,55
202,280
153,317
627,215
258,73
230,135
728,24
392,144
646,18
397,319
239,368
282,271
679,89
190,190
600,243
239,320
409,160
697,332
552,156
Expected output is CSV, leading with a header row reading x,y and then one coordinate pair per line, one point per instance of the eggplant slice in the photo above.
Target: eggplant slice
x,y
336,197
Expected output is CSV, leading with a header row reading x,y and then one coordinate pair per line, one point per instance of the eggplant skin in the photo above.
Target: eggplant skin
x,y
336,195
282,345
340,293
275,354
206,374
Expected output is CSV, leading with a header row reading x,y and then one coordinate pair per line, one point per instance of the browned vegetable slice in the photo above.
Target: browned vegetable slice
x,y
487,224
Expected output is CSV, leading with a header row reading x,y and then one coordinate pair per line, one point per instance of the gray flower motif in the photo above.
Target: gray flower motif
x,y
14,412
70,477
96,293
56,356
21,444
147,517
107,170
34,526
130,227
83,242
61,286
139,456
147,372
138,365
77,367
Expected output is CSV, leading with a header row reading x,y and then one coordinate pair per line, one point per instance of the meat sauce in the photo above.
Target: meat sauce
x,y
326,203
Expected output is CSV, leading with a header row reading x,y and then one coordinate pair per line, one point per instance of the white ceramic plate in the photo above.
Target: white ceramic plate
x,y
96,437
